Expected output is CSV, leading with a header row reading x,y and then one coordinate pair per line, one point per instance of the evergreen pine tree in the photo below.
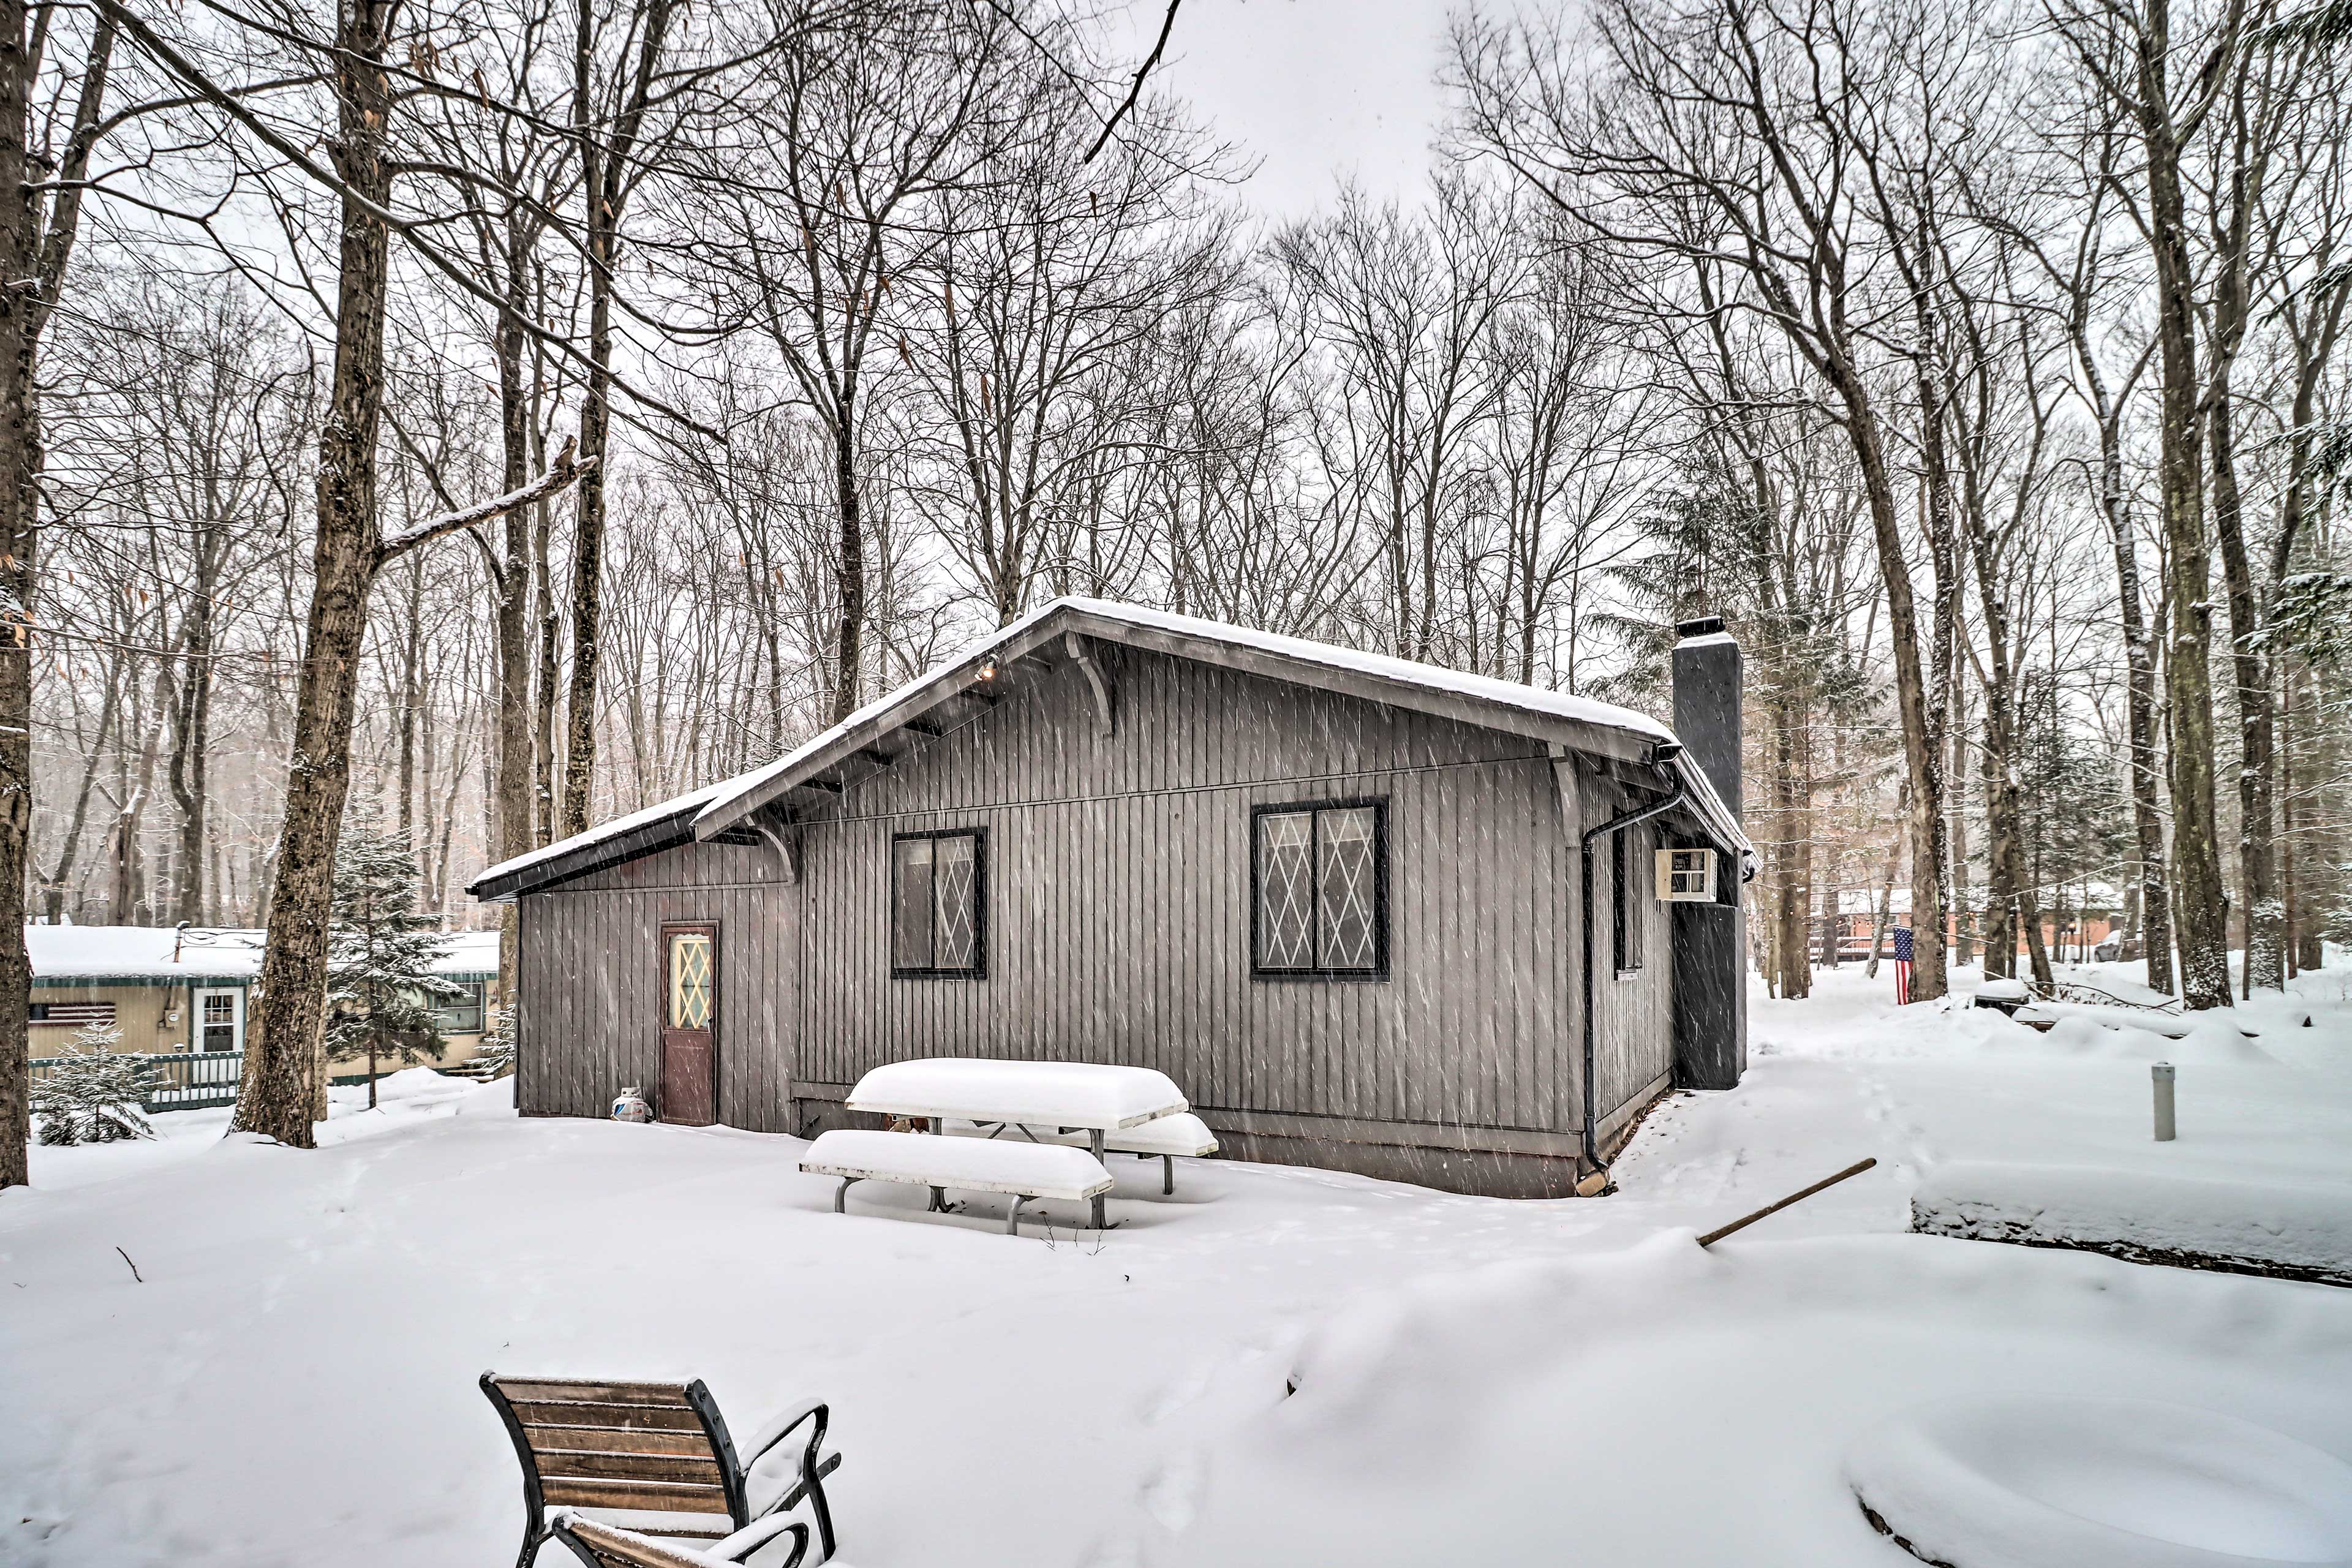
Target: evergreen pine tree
x,y
380,955
496,1055
94,1094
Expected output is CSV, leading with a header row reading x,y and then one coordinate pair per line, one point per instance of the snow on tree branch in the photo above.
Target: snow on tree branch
x,y
559,477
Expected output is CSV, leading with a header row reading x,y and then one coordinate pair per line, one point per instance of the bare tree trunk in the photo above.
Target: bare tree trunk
x,y
2147,815
2265,913
2203,909
550,631
849,567
285,1070
412,696
511,806
1963,937
190,775
53,890
595,419
19,463
1922,740
2000,883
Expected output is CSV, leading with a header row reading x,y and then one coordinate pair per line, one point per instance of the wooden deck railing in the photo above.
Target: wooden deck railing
x,y
183,1080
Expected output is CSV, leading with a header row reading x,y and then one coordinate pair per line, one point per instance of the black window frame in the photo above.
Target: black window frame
x,y
978,969
1379,968
1628,937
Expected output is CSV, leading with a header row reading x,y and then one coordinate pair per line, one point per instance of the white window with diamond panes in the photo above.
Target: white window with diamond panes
x,y
691,981
1321,874
938,909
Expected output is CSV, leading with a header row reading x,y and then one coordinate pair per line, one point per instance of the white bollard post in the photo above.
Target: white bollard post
x,y
2162,1073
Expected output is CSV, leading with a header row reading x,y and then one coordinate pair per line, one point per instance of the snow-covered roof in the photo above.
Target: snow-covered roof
x,y
468,952
751,787
204,952
716,808
604,832
143,952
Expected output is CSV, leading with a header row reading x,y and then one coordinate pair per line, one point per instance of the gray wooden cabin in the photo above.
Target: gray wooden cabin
x,y
1337,897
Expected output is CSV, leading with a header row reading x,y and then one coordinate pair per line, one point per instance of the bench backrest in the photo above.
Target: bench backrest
x,y
652,1445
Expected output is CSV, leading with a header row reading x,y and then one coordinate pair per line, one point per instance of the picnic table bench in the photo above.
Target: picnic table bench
x,y
1092,1098
1047,1101
1161,1139
1025,1171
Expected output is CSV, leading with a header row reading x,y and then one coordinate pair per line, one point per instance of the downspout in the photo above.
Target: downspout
x,y
1661,756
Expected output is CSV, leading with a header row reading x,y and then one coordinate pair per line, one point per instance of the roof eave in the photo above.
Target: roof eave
x,y
1469,707
646,838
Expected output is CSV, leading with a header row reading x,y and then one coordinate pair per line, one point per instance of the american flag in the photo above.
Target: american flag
x,y
1902,966
74,1013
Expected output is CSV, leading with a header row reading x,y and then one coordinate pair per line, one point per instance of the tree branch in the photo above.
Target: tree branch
x,y
558,479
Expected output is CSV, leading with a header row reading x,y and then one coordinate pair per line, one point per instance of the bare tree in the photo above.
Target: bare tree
x,y
823,201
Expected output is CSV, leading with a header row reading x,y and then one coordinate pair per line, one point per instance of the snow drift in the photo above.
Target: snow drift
x,y
2297,1231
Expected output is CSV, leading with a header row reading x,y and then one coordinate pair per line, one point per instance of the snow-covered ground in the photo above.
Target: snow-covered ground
x,y
1477,1381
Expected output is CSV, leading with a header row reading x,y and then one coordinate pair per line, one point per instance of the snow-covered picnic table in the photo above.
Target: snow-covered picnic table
x,y
1095,1098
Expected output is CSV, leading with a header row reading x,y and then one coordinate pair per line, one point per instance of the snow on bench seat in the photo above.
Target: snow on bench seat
x,y
1182,1134
1163,1139
1026,1169
1040,1094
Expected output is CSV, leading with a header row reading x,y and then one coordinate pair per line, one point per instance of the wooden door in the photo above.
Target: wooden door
x,y
689,1050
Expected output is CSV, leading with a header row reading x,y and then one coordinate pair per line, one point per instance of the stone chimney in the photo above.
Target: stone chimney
x,y
1706,703
1710,1008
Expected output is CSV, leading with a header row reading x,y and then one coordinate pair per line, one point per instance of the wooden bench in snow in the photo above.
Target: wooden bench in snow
x,y
657,1457
1094,1097
1023,1171
1163,1139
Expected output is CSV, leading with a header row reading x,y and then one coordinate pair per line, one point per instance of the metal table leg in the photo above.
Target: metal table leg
x,y
1167,1175
1013,1220
1095,1139
842,1191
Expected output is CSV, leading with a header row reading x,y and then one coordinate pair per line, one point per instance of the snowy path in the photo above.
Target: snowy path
x,y
1479,1381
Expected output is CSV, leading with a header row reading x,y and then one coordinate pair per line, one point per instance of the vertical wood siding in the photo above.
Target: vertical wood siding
x,y
591,969
1119,873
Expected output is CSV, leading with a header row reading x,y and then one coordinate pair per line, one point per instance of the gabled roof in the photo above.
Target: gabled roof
x,y
1553,717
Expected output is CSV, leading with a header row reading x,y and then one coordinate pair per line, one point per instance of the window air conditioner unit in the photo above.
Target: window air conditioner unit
x,y
1686,876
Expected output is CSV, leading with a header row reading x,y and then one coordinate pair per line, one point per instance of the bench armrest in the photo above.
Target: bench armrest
x,y
777,1430
758,1533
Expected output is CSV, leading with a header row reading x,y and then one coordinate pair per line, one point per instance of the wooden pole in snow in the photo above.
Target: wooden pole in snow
x,y
1712,1236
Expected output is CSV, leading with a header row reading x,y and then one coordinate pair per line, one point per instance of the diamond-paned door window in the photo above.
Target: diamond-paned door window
x,y
938,905
690,980
1285,889
1322,890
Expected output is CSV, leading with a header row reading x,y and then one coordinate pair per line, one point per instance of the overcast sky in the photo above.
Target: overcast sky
x,y
1311,88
